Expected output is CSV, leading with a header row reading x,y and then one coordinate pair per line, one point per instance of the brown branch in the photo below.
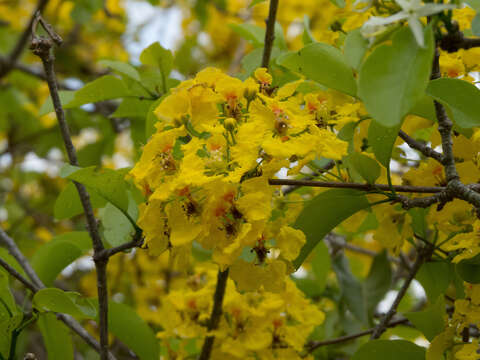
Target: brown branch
x,y
269,33
454,41
423,254
37,284
18,276
207,347
42,47
358,186
417,145
316,344
8,65
136,242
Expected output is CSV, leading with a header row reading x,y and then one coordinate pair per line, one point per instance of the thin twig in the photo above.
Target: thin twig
x,y
37,285
17,275
136,242
207,347
22,41
417,145
316,344
21,259
269,33
358,186
423,254
42,47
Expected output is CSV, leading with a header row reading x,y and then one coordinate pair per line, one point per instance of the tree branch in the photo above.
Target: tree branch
x,y
136,242
269,33
358,186
42,47
18,276
37,284
316,344
8,65
423,254
207,347
417,145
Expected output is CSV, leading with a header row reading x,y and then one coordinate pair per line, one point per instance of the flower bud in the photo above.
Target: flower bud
x,y
230,124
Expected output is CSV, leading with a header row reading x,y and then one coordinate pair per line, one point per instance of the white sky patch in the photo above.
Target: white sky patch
x,y
148,24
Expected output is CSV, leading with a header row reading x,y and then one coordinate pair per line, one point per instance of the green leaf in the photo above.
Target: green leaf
x,y
68,203
133,331
252,33
10,260
109,184
307,34
122,68
351,288
476,25
389,349
419,224
469,270
279,39
67,302
460,96
152,118
51,258
105,88
431,320
56,337
394,77
425,108
156,55
377,282
133,107
354,48
323,213
435,278
382,139
117,228
367,167
321,266
255,2
65,97
338,3
324,64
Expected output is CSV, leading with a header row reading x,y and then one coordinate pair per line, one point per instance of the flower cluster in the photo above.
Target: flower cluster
x,y
205,171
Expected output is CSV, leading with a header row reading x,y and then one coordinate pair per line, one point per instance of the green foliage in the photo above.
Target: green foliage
x,y
334,73
435,278
394,77
390,349
323,213
431,320
355,47
67,302
361,298
56,337
460,96
51,258
133,331
68,203
469,270
382,139
365,166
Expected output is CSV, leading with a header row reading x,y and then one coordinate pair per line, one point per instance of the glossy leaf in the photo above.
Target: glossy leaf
x,y
431,320
67,302
367,167
460,96
105,88
355,48
321,265
324,64
68,203
56,337
382,139
469,270
323,213
435,278
394,77
389,349
156,55
121,68
117,229
54,256
133,331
